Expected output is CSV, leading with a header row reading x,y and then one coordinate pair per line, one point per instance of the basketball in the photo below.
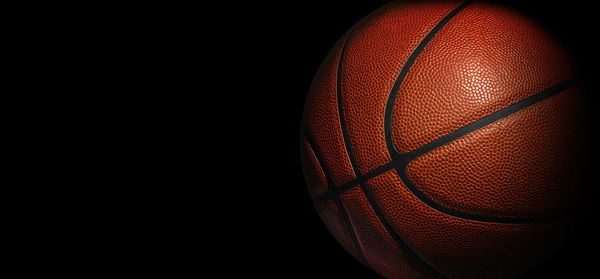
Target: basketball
x,y
444,140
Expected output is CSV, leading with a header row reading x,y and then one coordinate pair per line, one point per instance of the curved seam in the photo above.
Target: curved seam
x,y
334,196
467,129
401,162
389,108
371,202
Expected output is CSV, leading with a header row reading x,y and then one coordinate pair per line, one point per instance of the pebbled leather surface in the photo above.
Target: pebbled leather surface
x,y
486,58
521,166
321,119
483,60
381,251
313,172
376,52
331,216
461,248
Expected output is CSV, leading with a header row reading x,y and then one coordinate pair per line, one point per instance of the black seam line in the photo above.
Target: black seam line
x,y
334,196
389,108
343,126
538,97
362,179
373,205
408,157
402,161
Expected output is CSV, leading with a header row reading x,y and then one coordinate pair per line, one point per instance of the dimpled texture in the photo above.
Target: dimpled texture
x,y
313,173
321,118
422,216
381,252
501,170
461,248
486,58
375,53
331,216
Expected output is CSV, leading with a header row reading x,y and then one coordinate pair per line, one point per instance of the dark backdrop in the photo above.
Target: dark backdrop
x,y
280,46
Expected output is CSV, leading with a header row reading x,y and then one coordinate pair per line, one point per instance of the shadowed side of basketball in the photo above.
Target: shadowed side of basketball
x,y
443,140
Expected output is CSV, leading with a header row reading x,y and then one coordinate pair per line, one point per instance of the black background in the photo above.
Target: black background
x,y
278,48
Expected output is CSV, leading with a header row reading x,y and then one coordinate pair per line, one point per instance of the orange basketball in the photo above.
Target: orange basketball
x,y
441,140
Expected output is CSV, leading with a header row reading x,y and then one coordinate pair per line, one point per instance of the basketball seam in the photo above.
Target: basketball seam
x,y
370,200
401,162
404,71
333,196
401,169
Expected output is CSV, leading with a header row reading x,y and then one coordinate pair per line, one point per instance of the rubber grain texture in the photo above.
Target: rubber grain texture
x,y
365,191
365,184
351,156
